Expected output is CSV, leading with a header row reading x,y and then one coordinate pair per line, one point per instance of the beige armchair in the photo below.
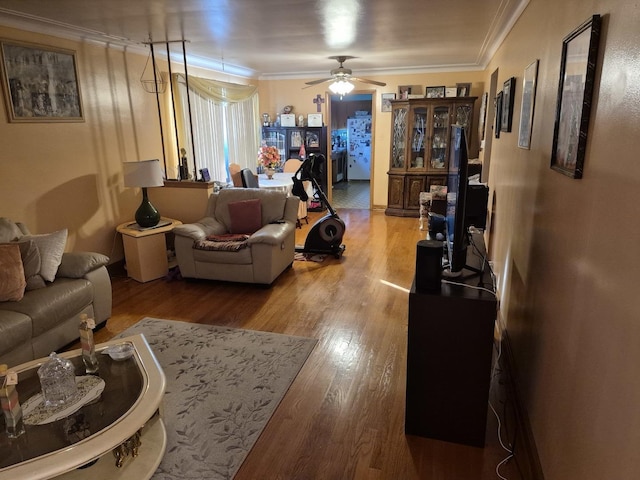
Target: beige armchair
x,y
213,247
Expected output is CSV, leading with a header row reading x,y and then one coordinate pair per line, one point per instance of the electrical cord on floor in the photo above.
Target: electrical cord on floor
x,y
508,449
113,244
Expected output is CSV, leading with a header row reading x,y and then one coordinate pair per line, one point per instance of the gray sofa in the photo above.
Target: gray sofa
x,y
268,250
59,287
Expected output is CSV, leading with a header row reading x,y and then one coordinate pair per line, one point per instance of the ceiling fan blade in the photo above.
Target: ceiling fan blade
x,y
372,82
316,82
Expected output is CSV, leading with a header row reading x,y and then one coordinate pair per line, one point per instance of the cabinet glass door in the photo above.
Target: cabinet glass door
x,y
463,115
275,138
398,147
439,138
419,136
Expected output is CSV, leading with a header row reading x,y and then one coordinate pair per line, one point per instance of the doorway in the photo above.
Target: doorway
x,y
351,150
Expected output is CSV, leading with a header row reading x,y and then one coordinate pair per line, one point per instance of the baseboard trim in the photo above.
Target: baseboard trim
x,y
525,449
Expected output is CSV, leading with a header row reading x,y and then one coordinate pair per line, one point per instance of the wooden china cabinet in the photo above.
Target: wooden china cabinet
x,y
420,147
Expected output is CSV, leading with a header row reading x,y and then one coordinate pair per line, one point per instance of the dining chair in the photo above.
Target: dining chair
x,y
234,172
291,166
249,179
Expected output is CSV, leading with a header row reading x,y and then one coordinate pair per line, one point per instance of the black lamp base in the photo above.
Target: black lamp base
x,y
147,215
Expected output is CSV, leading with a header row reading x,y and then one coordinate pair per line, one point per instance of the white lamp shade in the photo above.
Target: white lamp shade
x,y
146,173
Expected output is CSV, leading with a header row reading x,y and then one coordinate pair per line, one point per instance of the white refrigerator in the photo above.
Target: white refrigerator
x,y
359,147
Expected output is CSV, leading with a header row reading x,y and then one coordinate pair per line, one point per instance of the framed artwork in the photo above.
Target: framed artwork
x,y
508,95
204,173
404,91
40,83
451,92
483,114
498,114
575,91
435,92
464,89
313,141
386,101
528,102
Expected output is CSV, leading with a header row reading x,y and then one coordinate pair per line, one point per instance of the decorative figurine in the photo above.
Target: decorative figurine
x,y
184,169
10,403
88,345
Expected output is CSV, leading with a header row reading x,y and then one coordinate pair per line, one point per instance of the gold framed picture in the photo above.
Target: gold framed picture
x,y
40,83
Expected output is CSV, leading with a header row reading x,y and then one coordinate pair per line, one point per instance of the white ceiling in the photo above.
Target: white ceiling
x,y
287,38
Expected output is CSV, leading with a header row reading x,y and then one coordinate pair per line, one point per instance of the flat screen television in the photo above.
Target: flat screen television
x,y
456,237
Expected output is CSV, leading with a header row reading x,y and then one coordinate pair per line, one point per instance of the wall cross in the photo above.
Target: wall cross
x,y
318,101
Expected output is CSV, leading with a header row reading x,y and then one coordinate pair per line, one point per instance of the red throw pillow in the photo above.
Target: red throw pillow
x,y
246,216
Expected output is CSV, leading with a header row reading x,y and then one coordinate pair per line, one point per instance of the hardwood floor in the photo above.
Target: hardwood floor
x,y
343,417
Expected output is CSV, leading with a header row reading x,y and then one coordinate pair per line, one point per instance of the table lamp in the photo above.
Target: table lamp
x,y
146,173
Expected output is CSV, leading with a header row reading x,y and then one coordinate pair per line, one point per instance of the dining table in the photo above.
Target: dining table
x,y
280,181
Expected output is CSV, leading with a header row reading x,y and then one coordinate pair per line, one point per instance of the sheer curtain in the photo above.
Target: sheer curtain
x,y
225,123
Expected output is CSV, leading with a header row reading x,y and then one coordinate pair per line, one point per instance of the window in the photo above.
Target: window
x,y
225,124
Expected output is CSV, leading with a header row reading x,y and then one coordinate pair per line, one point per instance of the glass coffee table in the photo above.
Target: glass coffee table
x,y
124,419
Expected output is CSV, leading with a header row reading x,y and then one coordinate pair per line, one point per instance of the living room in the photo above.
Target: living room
x,y
563,257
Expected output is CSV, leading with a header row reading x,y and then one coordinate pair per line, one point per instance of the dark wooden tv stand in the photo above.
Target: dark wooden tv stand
x,y
449,353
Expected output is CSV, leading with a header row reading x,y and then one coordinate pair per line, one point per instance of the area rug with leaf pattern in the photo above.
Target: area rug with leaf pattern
x,y
223,385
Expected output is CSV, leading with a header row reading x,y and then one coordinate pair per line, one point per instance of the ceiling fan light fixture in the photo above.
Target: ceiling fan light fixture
x,y
341,87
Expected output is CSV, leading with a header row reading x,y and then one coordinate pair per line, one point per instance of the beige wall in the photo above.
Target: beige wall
x,y
566,251
275,94
69,175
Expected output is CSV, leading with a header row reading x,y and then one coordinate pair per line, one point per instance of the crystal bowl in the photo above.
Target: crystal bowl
x,y
119,352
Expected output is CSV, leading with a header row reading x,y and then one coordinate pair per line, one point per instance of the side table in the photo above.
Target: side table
x,y
145,249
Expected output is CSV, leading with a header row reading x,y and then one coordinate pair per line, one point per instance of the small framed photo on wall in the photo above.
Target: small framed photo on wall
x,y
498,115
508,97
578,65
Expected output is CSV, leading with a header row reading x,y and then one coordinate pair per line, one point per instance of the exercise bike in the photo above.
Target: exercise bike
x,y
325,236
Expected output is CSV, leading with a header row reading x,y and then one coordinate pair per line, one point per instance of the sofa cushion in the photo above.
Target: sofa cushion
x,y
241,257
59,301
245,216
9,231
12,281
51,247
15,329
31,263
78,264
273,203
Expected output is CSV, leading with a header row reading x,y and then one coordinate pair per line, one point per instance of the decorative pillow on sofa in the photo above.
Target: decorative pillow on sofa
x,y
246,216
31,263
51,247
9,231
78,264
12,282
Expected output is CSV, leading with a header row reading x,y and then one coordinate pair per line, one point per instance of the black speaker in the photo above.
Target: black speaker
x,y
428,266
475,209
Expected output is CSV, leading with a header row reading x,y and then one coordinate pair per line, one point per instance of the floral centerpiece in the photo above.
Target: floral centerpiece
x,y
269,159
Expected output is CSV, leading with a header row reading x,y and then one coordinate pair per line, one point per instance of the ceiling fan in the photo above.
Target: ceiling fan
x,y
341,77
